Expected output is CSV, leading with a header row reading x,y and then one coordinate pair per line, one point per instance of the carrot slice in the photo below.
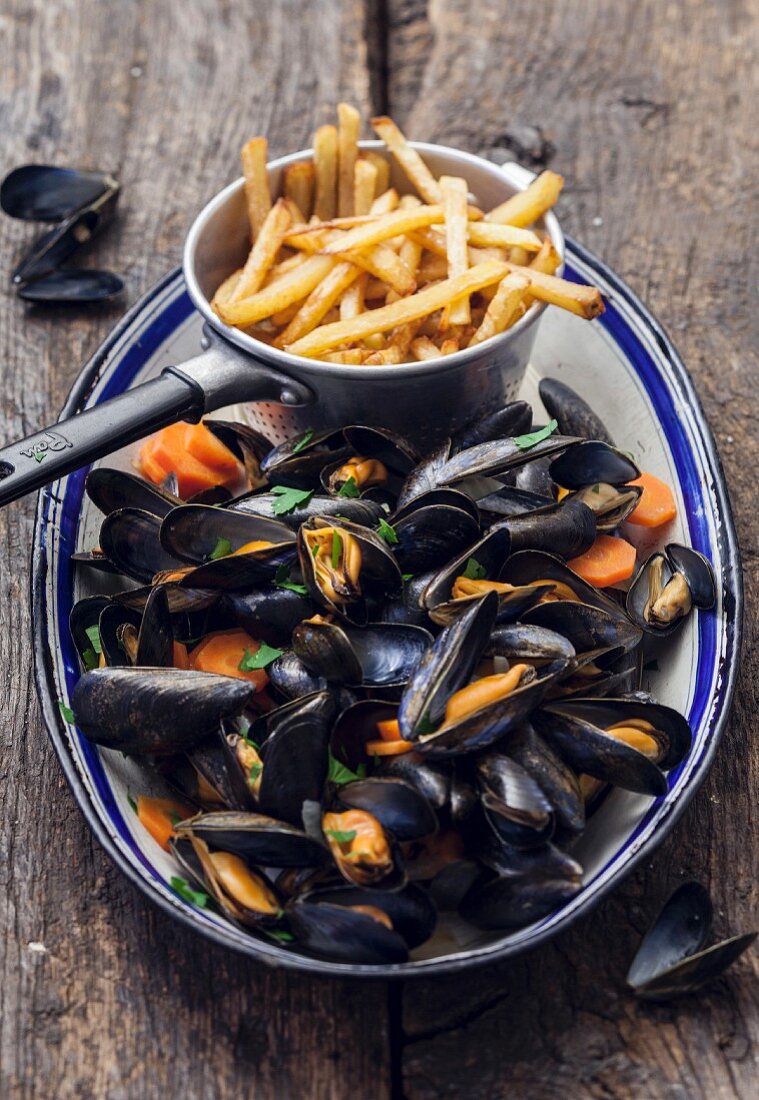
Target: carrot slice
x,y
656,505
193,453
160,815
608,561
388,748
223,652
149,465
203,445
389,730
181,656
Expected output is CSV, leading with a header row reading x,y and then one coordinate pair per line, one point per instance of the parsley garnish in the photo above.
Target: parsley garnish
x,y
185,891
407,577
425,725
174,817
473,570
254,771
282,580
90,659
349,488
221,549
339,773
315,550
596,488
262,657
67,712
304,441
284,937
524,442
288,499
132,804
337,546
341,836
93,633
387,532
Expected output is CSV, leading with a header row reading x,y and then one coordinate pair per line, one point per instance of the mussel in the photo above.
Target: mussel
x,y
668,586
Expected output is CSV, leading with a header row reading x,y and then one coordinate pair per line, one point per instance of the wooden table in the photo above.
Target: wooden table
x,y
648,109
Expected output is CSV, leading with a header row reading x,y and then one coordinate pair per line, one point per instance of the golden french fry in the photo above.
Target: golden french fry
x,y
487,235
263,252
375,341
416,305
432,267
351,356
348,129
298,185
384,356
519,256
319,302
408,158
449,346
282,268
284,316
402,336
375,289
547,260
290,288
325,163
352,300
226,289
381,229
503,308
527,206
385,202
382,164
409,202
297,217
365,180
257,196
423,348
432,240
381,262
454,195
585,301
411,254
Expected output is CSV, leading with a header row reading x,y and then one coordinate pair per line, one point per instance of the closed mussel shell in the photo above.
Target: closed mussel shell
x,y
269,614
344,935
379,655
429,537
514,804
411,910
130,539
590,463
294,757
397,805
574,415
496,457
111,489
499,902
588,629
553,775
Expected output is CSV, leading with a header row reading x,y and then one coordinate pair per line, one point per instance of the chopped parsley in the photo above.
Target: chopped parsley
x,y
282,580
473,571
132,804
337,547
288,498
596,488
90,659
341,836
93,633
387,532
339,773
221,549
281,935
262,657
405,577
349,488
304,441
67,712
525,442
185,891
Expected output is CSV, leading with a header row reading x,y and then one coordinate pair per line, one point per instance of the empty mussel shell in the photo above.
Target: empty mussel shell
x,y
574,415
45,193
553,775
53,248
111,489
592,463
68,285
129,537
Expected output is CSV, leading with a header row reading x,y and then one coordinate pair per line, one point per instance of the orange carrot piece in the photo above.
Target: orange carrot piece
x,y
160,815
608,561
389,730
181,656
193,453
223,652
656,505
149,466
203,445
388,748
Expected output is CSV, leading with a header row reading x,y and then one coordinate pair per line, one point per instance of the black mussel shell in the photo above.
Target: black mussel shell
x,y
397,805
678,564
451,884
68,285
110,489
294,756
50,251
513,419
533,477
591,463
192,533
355,726
94,559
671,729
431,778
698,572
508,502
298,462
268,614
525,642
292,679
245,443
392,450
366,513
497,457
406,607
499,902
261,839
515,805
430,536
531,566
129,538
182,601
341,934
437,498
567,529
114,619
155,642
379,655
587,628
694,972
411,909
575,416
45,193
610,504
425,477
555,778
154,711
214,759
547,861
84,617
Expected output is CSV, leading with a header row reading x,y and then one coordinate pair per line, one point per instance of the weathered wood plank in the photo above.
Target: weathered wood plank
x,y
646,109
121,1002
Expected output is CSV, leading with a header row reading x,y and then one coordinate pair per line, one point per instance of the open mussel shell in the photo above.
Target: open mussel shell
x,y
366,513
672,959
446,666
533,567
45,193
263,840
364,851
355,726
215,760
294,757
245,443
154,711
577,729
342,934
496,457
111,489
129,537
512,901
155,641
395,455
512,420
379,655
430,536
553,775
525,642
574,415
118,629
398,806
241,891
298,462
268,614
666,588
49,252
83,624
514,804
192,533
509,501
591,463
610,504
67,285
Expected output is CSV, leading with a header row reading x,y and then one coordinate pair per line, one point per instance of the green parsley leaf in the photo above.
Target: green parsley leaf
x,y
281,935
341,836
254,771
304,441
282,580
174,817
38,456
349,488
524,442
387,532
90,659
221,549
405,577
426,726
288,499
473,570
596,488
93,633
651,666
337,548
339,773
67,712
263,656
185,891
249,740
315,550
132,804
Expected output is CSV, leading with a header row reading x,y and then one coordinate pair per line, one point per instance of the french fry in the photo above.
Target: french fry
x,y
503,309
352,300
402,336
375,288
290,288
519,256
547,260
527,206
381,229
297,217
432,240
386,265
408,202
414,306
348,129
411,254
351,356
454,195
384,357
382,164
319,302
423,348
431,267
487,235
284,316
226,289
263,252
298,185
385,202
585,301
325,163
257,196
365,180
408,158
449,346
280,269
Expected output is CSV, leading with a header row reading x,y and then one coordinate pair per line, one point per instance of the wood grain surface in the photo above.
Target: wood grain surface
x,y
648,108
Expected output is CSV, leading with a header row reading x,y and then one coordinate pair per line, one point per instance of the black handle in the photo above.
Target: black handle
x,y
50,454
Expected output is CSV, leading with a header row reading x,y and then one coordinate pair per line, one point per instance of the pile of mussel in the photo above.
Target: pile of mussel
x,y
441,702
